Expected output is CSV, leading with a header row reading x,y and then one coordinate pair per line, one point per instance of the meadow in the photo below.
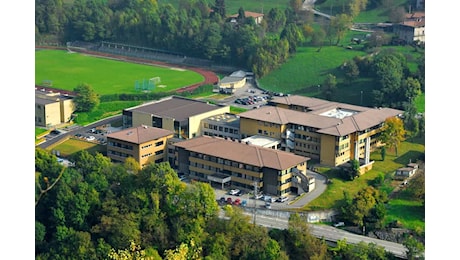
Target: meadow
x,y
232,6
67,70
409,212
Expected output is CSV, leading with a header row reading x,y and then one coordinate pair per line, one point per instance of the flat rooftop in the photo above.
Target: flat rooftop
x,y
262,141
339,113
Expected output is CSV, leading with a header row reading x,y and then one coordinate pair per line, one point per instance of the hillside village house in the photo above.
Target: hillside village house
x,y
242,165
145,144
332,133
257,16
178,114
412,29
52,108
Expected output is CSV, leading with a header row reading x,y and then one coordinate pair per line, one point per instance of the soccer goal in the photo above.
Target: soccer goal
x,y
155,81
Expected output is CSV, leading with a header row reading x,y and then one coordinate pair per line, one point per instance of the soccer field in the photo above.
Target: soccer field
x,y
66,70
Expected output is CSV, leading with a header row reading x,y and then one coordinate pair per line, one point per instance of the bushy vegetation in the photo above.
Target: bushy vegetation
x,y
106,210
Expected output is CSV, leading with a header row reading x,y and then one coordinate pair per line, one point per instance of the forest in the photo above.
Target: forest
x,y
96,209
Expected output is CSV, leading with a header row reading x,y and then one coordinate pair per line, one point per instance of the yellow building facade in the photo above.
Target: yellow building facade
x,y
331,133
143,143
178,114
52,109
240,165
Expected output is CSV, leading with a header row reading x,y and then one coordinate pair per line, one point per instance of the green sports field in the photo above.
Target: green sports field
x,y
67,70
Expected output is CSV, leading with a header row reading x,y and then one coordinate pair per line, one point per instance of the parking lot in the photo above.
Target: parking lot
x,y
97,134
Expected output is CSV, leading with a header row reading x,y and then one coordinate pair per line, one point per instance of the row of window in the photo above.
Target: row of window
x,y
307,146
307,138
265,132
225,161
120,154
221,128
268,124
120,145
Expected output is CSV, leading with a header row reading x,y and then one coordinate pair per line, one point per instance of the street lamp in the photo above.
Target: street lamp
x,y
361,97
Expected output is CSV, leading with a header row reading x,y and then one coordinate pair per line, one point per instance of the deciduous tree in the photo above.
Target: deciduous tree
x,y
393,133
86,98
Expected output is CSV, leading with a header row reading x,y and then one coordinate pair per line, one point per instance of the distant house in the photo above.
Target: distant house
x,y
228,84
406,172
52,108
145,144
412,29
257,16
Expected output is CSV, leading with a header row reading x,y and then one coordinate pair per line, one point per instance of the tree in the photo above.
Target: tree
x,y
393,133
383,152
340,24
416,187
300,243
219,8
276,19
351,71
329,86
365,206
414,248
131,165
354,168
293,35
86,98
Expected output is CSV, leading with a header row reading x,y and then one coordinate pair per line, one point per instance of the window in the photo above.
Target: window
x,y
159,143
159,152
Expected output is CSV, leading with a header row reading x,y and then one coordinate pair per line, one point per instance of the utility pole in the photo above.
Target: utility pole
x,y
255,200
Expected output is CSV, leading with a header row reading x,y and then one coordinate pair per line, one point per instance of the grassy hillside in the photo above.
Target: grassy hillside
x,y
232,6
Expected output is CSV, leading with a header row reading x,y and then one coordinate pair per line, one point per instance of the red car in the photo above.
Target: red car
x,y
229,200
237,202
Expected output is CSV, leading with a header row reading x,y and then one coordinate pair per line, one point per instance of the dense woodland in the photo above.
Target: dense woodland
x,y
100,210
200,28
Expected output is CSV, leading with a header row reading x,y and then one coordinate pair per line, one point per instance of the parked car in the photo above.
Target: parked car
x,y
90,138
244,203
237,202
222,200
240,193
258,196
229,200
234,191
55,132
282,199
268,205
339,224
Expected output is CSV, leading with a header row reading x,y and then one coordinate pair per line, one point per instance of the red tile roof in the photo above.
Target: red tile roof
x,y
241,152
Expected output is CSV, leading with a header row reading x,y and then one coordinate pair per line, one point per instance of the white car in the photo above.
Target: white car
x,y
90,138
282,199
258,196
234,192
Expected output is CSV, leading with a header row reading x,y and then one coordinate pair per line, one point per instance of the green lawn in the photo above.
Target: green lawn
x,y
302,73
379,15
104,110
72,146
67,70
409,212
232,6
